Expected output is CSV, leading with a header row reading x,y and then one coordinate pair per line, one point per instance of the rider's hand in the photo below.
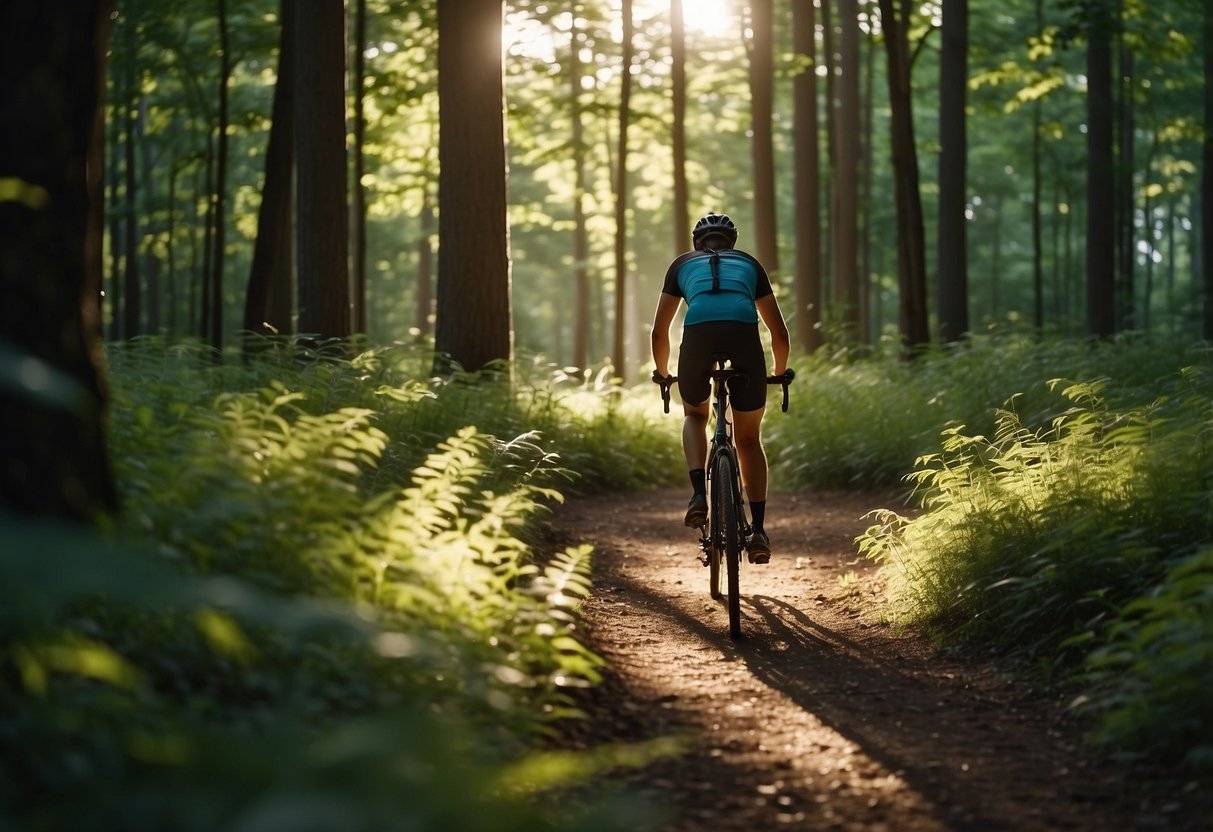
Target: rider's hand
x,y
658,378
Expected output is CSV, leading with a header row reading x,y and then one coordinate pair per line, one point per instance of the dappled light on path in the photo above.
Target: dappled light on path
x,y
820,716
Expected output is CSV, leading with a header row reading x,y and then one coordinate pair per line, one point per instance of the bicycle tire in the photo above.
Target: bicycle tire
x,y
727,542
714,549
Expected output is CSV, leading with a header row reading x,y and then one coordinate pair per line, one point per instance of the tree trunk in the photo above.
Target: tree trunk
x,y
845,224
1127,244
131,289
762,73
1038,299
425,267
911,259
619,354
678,81
581,245
322,237
808,175
52,64
215,336
359,218
1101,232
269,301
1205,245
151,262
474,327
116,237
953,286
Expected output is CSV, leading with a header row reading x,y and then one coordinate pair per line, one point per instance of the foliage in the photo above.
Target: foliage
x,y
311,610
1078,545
862,421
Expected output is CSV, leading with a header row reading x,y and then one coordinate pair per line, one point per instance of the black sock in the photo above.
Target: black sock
x,y
699,481
758,512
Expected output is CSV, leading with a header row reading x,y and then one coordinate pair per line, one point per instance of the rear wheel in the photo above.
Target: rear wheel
x,y
726,539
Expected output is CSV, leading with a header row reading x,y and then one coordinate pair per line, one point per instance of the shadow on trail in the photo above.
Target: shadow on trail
x,y
852,691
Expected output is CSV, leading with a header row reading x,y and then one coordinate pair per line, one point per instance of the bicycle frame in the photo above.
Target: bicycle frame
x,y
727,532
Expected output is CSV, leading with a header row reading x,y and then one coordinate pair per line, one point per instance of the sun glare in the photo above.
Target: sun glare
x,y
713,18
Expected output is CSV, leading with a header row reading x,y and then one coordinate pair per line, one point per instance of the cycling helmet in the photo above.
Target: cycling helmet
x,y
714,224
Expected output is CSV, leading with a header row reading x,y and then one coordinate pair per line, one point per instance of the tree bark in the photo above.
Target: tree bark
x,y
52,65
619,354
845,224
359,213
131,288
474,327
323,232
678,81
1101,231
1206,181
269,302
911,260
215,336
808,175
952,256
581,244
762,71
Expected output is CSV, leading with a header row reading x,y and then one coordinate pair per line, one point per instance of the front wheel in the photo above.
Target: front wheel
x,y
726,538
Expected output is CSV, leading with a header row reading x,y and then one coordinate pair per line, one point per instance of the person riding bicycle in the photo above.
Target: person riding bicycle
x,y
726,291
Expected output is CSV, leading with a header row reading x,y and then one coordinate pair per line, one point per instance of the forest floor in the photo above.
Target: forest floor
x,y
822,716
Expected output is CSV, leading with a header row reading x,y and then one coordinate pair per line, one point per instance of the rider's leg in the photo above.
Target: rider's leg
x,y
695,447
747,436
695,434
752,459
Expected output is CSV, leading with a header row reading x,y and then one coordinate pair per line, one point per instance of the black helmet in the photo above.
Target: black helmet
x,y
714,224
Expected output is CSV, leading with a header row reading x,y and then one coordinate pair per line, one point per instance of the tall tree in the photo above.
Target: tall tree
x,y
807,152
952,257
1206,179
1124,129
1101,231
619,355
131,285
1038,293
323,236
911,259
52,62
678,139
762,95
474,325
269,300
844,226
581,240
358,234
215,336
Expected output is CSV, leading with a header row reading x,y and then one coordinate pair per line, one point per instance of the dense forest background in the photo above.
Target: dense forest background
x,y
715,119
273,540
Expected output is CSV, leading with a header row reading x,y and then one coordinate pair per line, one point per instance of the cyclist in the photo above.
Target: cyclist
x,y
726,291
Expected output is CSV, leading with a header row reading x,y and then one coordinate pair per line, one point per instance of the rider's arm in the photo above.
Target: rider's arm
x,y
667,306
768,310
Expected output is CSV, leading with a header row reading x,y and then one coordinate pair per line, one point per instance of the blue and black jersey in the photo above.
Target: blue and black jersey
x,y
718,286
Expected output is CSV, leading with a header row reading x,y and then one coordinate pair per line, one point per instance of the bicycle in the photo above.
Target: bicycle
x,y
727,531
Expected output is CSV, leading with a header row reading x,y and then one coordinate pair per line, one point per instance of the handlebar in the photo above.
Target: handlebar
x,y
784,379
665,382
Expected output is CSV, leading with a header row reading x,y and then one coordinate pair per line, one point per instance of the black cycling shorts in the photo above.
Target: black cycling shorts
x,y
703,343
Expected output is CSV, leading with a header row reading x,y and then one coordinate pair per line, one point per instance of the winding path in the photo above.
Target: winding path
x,y
822,717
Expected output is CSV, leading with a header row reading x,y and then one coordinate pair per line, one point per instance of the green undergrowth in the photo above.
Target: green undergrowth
x,y
321,606
1077,536
861,422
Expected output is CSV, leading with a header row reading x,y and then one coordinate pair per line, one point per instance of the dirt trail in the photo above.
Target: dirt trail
x,y
821,717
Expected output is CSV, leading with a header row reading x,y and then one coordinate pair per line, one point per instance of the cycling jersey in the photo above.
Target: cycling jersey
x,y
724,290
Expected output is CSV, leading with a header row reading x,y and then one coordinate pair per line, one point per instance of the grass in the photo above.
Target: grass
x,y
1073,533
